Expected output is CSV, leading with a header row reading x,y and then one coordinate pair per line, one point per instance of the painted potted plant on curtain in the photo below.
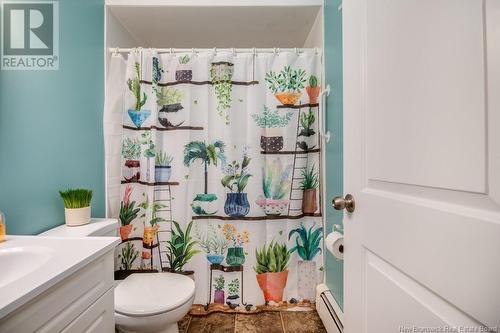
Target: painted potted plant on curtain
x,y
309,185
233,292
287,84
131,152
236,178
221,74
163,167
137,115
306,121
212,242
149,152
76,206
276,185
127,256
219,285
183,71
313,89
157,71
307,246
271,124
272,270
169,99
180,248
207,154
150,231
235,254
128,212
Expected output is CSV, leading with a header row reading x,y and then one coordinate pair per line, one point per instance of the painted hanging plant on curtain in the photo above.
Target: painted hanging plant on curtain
x,y
220,175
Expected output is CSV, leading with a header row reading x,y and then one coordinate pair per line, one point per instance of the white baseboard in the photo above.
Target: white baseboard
x,y
329,311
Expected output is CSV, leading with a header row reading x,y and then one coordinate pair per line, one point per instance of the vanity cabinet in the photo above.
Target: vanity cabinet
x,y
81,302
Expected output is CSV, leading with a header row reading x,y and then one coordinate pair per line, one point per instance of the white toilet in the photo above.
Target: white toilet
x,y
145,302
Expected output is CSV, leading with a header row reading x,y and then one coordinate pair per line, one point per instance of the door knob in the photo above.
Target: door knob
x,y
346,203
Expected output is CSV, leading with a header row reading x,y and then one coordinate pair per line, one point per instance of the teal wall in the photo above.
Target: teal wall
x,y
334,156
51,125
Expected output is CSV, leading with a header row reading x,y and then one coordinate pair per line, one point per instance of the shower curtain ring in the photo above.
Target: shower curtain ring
x,y
297,51
193,51
254,50
234,52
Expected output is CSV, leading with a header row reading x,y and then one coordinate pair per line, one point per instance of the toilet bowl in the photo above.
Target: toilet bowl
x,y
152,302
144,302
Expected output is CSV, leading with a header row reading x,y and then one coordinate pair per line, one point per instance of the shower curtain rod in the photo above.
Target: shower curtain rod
x,y
234,50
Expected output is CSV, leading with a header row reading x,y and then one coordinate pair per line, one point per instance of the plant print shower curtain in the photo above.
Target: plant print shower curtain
x,y
213,168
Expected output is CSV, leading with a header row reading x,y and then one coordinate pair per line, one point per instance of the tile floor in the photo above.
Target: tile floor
x,y
263,322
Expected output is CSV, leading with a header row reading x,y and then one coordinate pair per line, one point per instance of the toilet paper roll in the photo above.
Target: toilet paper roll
x,y
334,243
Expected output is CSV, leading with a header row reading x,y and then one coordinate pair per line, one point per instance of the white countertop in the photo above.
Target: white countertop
x,y
97,225
56,259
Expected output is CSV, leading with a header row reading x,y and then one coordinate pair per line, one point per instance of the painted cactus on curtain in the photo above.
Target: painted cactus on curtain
x,y
221,174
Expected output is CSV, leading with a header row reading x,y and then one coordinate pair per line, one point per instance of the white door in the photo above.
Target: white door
x,y
422,160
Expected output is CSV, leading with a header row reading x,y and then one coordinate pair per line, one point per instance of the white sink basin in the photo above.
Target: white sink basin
x,y
21,261
29,265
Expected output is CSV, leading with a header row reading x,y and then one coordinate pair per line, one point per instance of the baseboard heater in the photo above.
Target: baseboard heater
x,y
328,310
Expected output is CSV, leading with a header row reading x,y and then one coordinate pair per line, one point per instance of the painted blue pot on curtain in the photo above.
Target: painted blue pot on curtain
x,y
236,205
138,117
162,173
215,258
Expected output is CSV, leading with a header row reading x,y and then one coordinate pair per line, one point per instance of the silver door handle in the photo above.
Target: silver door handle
x,y
346,203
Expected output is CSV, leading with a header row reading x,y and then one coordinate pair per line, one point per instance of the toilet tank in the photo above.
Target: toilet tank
x,y
96,228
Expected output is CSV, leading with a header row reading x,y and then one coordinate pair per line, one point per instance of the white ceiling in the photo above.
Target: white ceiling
x,y
222,27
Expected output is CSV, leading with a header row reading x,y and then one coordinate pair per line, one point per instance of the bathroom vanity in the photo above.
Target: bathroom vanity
x,y
51,284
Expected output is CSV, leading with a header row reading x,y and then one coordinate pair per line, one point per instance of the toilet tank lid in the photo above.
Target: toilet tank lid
x,y
96,227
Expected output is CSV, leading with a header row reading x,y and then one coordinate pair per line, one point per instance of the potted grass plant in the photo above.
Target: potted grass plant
x,y
169,99
236,178
180,248
163,167
183,71
127,256
213,243
131,152
309,185
276,187
235,253
272,270
313,89
221,74
287,84
128,212
219,285
307,247
271,124
137,115
207,154
76,206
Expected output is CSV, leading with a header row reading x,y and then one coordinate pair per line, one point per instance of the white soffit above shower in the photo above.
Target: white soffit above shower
x,y
162,23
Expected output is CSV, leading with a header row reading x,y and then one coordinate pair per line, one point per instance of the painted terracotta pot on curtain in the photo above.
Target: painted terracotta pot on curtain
x,y
272,285
309,201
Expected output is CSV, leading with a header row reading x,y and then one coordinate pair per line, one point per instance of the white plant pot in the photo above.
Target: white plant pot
x,y
77,216
307,280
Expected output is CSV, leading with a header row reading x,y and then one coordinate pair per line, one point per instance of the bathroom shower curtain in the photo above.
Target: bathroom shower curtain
x,y
213,165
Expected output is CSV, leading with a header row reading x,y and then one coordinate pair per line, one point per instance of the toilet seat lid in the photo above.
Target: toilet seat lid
x,y
145,294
